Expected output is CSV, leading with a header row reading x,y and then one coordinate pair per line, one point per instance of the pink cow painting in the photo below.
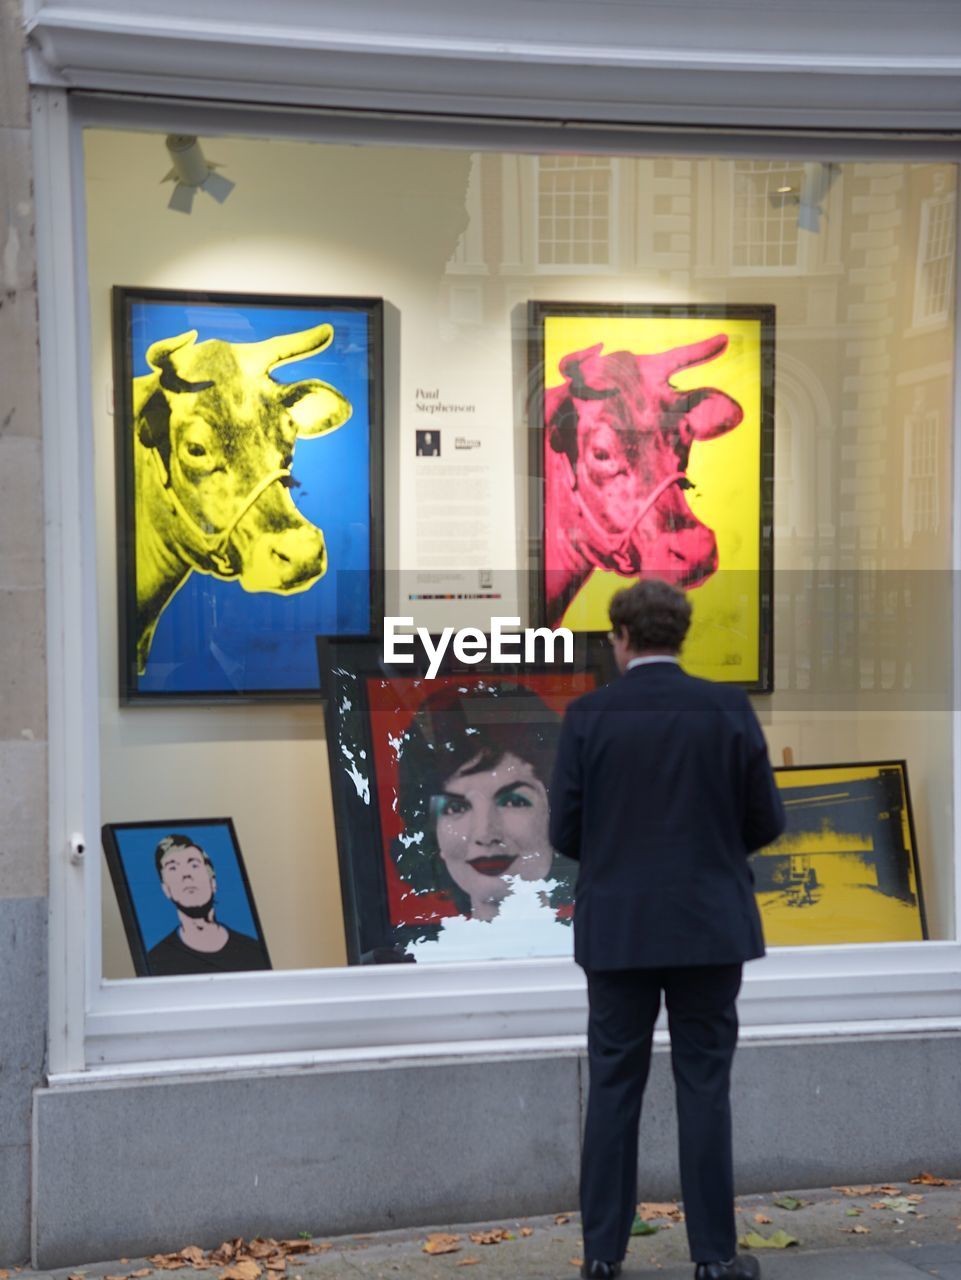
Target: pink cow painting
x,y
617,441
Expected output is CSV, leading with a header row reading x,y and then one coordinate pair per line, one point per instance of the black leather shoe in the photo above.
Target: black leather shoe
x,y
593,1269
743,1267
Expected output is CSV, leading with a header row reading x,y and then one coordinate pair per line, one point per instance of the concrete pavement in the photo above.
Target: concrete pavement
x,y
897,1231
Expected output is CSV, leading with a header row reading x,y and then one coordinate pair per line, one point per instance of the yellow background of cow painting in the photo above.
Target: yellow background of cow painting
x,y
848,907
723,643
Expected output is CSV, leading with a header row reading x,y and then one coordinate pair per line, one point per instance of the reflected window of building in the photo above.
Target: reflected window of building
x,y
932,292
574,202
924,429
766,196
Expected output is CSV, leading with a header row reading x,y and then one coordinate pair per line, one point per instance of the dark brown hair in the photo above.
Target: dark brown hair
x,y
655,615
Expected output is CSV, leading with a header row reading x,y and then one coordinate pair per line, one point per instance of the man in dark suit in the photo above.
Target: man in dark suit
x,y
661,789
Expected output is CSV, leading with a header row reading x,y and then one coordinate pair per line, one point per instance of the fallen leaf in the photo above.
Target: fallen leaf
x,y
779,1240
763,1219
527,1231
276,1263
650,1210
303,1246
931,1180
859,1191
494,1236
258,1248
853,1213
897,1204
789,1202
441,1242
467,1262
641,1228
115,1278
857,1230
194,1255
77,1275
560,1219
245,1269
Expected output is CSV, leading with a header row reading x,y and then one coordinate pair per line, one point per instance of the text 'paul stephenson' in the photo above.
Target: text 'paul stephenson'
x,y
506,643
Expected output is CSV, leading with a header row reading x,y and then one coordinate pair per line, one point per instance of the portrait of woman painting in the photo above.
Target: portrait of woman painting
x,y
453,778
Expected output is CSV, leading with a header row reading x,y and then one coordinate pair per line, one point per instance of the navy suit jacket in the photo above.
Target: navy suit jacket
x,y
661,788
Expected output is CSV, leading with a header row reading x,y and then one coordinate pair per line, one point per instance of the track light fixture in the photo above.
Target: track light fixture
x,y
192,172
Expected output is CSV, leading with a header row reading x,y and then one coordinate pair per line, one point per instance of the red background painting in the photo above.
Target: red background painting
x,y
392,704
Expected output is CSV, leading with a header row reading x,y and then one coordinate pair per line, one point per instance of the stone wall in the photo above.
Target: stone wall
x,y
23,716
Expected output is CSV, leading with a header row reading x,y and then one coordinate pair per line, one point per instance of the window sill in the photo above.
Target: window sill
x,y
292,1020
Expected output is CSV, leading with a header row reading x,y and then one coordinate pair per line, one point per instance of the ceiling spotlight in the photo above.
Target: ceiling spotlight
x,y
192,172
783,191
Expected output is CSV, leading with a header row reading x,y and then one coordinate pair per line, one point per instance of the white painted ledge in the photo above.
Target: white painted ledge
x,y
373,1014
763,63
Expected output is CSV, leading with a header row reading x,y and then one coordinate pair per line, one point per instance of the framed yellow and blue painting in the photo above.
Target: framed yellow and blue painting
x,y
652,455
846,868
250,505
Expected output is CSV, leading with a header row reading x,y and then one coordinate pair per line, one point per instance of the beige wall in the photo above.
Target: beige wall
x,y
23,729
451,243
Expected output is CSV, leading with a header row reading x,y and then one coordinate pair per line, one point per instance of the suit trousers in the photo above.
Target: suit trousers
x,y
702,1019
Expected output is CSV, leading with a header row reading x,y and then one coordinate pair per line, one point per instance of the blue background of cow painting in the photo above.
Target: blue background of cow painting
x,y
156,914
214,637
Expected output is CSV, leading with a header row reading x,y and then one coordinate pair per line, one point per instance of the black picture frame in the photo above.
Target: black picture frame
x,y
364,806
150,918
232,640
539,314
856,820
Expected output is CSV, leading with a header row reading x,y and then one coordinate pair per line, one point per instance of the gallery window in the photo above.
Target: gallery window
x,y
411,439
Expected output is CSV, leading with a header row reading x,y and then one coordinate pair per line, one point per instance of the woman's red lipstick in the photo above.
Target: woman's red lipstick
x,y
493,864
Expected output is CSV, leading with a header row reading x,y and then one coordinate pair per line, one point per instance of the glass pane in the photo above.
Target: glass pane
x,y
816,297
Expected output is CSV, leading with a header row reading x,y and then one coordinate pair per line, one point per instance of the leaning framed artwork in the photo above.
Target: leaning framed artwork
x,y
440,792
652,433
249,488
184,897
846,868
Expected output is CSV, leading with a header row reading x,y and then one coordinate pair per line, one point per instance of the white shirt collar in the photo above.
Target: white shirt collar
x,y
656,657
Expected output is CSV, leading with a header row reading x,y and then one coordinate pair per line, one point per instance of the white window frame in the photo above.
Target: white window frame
x,y
924,428
143,1028
790,209
613,230
933,319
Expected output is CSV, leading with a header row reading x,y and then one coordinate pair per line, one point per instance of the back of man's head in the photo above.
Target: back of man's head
x,y
654,615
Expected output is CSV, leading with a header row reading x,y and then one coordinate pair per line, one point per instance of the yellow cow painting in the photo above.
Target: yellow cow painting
x,y
213,445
